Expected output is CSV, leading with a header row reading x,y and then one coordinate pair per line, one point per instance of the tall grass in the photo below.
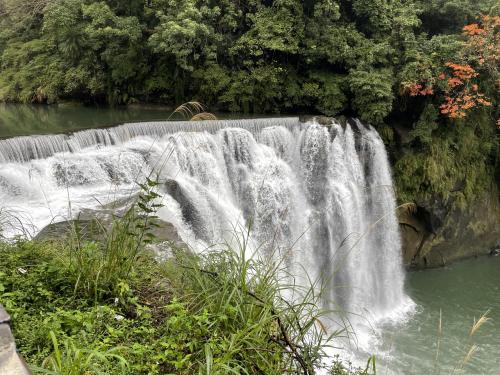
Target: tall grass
x,y
471,346
12,221
269,334
104,269
194,111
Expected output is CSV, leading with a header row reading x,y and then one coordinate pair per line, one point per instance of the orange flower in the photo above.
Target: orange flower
x,y
484,102
473,29
454,82
427,91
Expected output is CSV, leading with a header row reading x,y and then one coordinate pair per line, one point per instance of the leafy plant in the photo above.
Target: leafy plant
x,y
218,312
71,360
105,269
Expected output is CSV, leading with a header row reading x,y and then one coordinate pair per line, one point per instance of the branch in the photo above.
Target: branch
x,y
289,343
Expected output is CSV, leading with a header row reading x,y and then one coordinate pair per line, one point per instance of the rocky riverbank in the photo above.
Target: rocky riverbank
x,y
436,233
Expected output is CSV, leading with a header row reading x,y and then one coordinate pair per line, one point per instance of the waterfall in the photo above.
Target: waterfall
x,y
323,191
22,149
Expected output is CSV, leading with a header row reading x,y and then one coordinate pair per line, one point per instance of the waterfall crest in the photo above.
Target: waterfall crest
x,y
22,149
322,194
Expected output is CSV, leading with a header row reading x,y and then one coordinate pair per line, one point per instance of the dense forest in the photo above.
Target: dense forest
x,y
415,69
251,56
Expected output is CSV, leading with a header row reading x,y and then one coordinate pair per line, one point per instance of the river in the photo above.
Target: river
x,y
23,119
458,293
461,292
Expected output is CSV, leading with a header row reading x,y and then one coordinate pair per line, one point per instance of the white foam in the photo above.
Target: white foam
x,y
324,193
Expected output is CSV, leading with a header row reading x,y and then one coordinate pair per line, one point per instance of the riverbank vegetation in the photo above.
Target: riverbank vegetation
x,y
366,57
120,307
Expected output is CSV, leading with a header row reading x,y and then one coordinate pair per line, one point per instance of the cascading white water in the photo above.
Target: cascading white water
x,y
21,149
326,191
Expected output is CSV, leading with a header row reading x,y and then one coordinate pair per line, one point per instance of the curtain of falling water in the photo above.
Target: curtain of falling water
x,y
321,195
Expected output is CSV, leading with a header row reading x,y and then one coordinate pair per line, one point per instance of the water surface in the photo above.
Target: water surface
x,y
22,119
462,292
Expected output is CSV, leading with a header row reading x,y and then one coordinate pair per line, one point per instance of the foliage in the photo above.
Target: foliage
x,y
78,50
71,360
332,56
460,83
450,161
182,33
372,94
450,94
218,312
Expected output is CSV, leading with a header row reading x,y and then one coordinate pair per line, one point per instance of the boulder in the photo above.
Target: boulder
x,y
190,212
94,224
88,230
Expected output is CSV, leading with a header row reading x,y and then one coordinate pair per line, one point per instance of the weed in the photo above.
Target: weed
x,y
71,360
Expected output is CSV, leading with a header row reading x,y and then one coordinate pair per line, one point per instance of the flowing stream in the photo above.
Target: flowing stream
x,y
321,196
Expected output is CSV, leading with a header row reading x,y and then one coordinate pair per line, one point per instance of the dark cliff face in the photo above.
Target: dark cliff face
x,y
450,171
438,232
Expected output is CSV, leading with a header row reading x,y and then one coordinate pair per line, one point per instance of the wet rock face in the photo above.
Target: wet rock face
x,y
413,235
494,252
438,233
92,225
189,211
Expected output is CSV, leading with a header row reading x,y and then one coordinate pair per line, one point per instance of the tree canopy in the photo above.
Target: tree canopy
x,y
361,57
